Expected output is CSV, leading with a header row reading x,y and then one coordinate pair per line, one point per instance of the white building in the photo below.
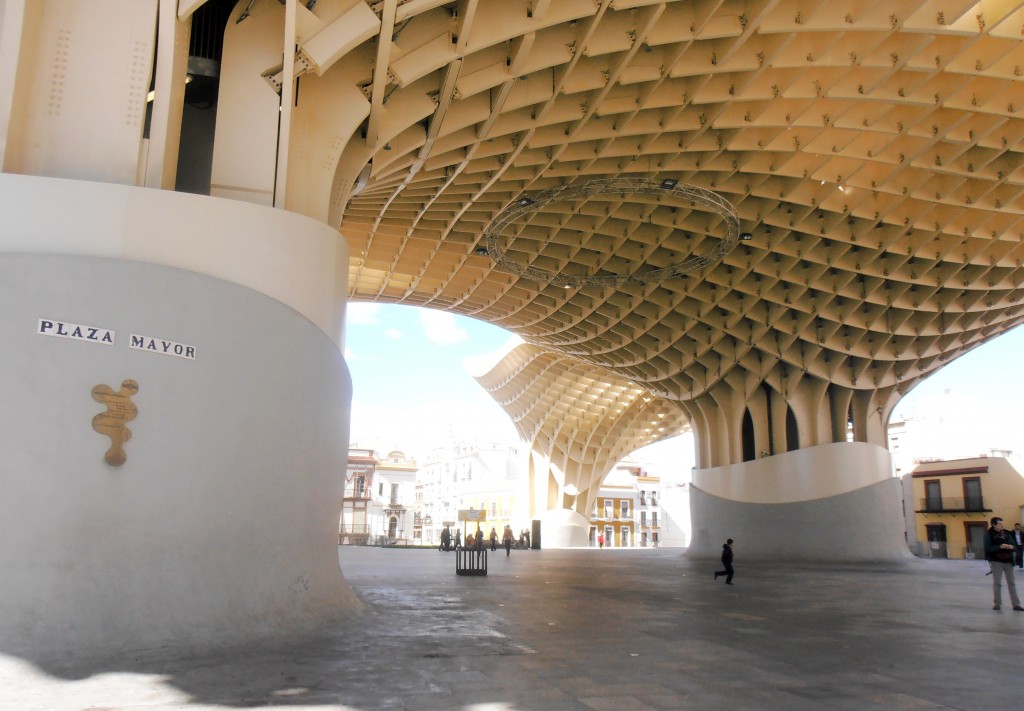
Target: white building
x,y
649,517
638,509
379,501
394,498
482,475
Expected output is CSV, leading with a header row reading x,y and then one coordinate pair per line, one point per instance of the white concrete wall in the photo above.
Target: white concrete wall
x,y
293,259
833,502
562,528
221,525
805,474
675,510
906,487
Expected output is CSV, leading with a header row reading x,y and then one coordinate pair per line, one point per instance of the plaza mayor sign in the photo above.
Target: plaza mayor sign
x,y
76,331
107,337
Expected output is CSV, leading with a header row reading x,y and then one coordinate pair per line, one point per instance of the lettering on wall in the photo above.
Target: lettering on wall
x,y
120,410
105,336
160,345
75,331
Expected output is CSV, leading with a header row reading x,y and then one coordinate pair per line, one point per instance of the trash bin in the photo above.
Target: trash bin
x,y
470,561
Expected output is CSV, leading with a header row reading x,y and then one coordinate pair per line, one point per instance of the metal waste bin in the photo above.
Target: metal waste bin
x,y
470,561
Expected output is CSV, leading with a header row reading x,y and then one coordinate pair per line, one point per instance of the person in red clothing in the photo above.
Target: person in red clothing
x,y
600,540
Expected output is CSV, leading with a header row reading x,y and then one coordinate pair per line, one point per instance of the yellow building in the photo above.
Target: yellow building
x,y
954,500
612,517
613,513
497,508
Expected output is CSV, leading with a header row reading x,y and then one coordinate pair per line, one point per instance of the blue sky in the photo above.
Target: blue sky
x,y
412,389
975,403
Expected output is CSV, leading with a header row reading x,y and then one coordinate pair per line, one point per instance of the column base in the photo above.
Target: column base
x,y
816,504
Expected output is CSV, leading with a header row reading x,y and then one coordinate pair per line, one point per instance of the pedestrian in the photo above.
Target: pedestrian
x,y
1017,539
600,540
506,539
446,539
999,554
494,539
727,562
458,539
478,539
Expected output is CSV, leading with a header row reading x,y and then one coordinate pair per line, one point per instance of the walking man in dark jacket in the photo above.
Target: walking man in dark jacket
x,y
727,562
999,554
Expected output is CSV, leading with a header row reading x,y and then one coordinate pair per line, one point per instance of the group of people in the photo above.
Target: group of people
x,y
476,541
1004,550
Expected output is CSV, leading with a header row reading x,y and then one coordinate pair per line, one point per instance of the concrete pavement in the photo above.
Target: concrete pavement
x,y
594,630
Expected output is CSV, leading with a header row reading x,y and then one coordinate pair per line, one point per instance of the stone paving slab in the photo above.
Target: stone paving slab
x,y
593,630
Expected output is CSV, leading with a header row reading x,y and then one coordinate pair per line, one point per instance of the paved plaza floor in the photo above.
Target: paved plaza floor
x,y
596,630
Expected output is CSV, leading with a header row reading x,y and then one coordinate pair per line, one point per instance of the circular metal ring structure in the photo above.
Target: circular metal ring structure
x,y
621,187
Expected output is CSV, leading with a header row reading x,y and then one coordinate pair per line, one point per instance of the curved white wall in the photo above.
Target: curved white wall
x,y
805,474
562,528
221,525
291,258
831,503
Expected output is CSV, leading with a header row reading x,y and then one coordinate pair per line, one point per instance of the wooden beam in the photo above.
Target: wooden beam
x,y
380,72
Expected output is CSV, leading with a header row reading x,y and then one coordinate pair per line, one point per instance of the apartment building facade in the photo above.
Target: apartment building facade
x,y
954,500
480,475
379,499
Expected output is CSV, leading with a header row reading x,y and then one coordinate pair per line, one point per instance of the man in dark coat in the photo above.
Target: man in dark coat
x,y
1017,539
727,562
999,554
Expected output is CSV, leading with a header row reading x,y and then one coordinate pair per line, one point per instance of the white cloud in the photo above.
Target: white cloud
x,y
441,327
362,314
394,334
425,424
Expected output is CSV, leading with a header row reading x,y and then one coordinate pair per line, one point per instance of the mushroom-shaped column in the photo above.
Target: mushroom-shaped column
x,y
579,420
800,458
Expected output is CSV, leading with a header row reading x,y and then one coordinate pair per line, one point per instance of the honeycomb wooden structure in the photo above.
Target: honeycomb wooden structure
x,y
872,151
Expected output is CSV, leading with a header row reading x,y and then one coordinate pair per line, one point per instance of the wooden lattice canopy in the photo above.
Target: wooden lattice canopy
x,y
872,151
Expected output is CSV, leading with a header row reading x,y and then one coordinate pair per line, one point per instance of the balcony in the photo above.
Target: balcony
x,y
952,504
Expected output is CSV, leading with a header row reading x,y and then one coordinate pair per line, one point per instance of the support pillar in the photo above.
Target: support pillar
x,y
834,502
